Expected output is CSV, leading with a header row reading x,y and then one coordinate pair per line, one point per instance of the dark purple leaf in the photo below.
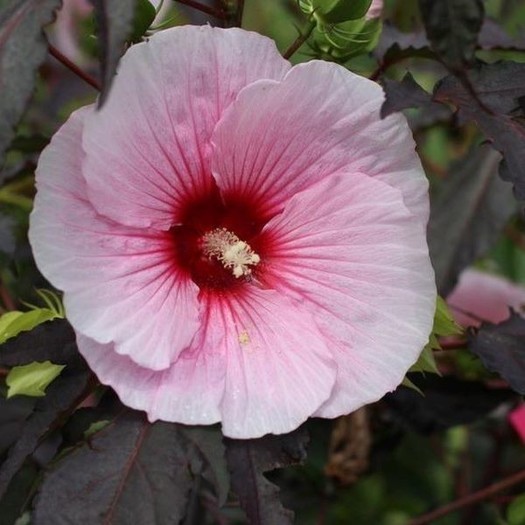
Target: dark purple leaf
x,y
452,27
403,95
248,460
497,86
15,501
468,215
506,133
391,37
501,348
211,460
115,25
493,36
23,48
13,413
52,341
131,471
7,236
61,395
447,402
409,94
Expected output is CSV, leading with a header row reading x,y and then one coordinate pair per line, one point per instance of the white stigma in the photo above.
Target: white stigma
x,y
233,253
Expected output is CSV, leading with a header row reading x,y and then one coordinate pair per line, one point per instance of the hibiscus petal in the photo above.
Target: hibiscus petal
x,y
258,363
188,392
119,282
279,138
147,150
279,367
353,253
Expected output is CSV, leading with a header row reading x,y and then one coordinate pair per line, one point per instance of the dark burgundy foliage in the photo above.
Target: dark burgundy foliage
x,y
477,99
22,49
52,341
248,460
408,94
501,347
447,402
468,214
62,395
115,25
56,465
452,27
131,471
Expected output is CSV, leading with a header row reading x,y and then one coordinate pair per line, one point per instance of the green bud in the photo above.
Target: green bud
x,y
337,11
144,15
348,39
327,12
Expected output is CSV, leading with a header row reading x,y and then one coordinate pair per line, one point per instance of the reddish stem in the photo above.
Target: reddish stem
x,y
470,499
515,236
453,345
299,41
6,298
74,68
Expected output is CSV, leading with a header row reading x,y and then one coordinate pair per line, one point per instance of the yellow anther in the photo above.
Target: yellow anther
x,y
234,254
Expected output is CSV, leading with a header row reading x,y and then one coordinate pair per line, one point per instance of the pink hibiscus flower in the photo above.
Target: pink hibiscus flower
x,y
238,240
65,31
480,296
375,10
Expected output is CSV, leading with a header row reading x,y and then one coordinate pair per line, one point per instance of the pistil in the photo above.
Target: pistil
x,y
234,254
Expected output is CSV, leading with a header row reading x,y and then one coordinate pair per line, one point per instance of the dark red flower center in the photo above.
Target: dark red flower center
x,y
217,242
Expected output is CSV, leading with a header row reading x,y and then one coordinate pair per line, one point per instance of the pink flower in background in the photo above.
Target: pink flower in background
x,y
375,10
484,296
64,33
238,240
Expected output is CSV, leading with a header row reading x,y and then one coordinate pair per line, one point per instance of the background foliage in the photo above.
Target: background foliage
x,y
451,456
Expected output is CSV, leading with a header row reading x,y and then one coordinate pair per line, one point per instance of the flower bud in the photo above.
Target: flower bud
x,y
335,11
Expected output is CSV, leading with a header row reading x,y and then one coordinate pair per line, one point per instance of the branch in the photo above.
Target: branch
x,y
453,344
74,68
6,298
299,41
470,499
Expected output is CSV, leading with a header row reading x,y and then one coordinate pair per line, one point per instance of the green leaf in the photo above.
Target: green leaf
x,y
96,427
12,323
426,361
406,382
516,511
31,380
340,42
444,325
452,27
23,48
145,13
115,24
